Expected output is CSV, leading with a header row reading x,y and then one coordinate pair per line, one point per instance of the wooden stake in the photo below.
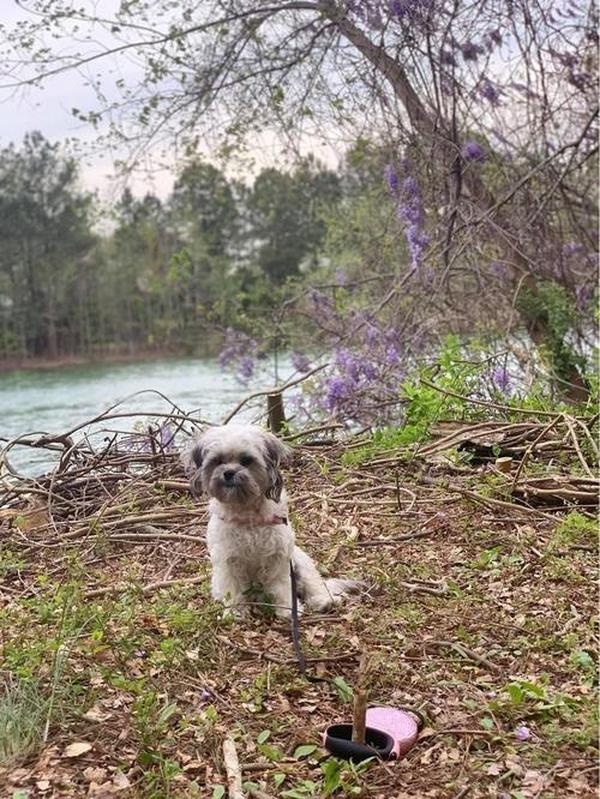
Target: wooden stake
x,y
504,465
275,412
359,716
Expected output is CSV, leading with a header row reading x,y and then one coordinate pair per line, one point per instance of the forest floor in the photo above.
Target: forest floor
x,y
122,677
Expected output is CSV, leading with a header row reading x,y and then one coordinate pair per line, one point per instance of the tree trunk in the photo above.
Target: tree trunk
x,y
437,133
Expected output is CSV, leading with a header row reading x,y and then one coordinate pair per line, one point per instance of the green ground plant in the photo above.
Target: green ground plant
x,y
24,709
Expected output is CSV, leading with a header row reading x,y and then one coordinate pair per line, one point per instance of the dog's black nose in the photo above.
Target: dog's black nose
x,y
228,475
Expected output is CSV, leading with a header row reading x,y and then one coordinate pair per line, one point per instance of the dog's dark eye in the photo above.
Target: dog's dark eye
x,y
246,460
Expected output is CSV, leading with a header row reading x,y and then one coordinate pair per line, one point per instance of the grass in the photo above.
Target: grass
x,y
154,681
23,713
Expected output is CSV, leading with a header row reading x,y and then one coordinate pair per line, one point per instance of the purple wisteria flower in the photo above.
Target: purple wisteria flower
x,y
369,371
569,60
374,19
205,696
409,209
398,7
391,356
300,362
495,37
150,439
501,379
490,92
446,57
337,392
471,51
321,302
240,351
499,270
473,151
368,11
246,368
583,295
371,335
573,248
580,79
522,733
341,278
166,437
413,10
370,368
349,363
392,180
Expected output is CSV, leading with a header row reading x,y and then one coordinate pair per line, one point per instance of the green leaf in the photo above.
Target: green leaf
x,y
304,750
331,769
166,713
218,792
487,723
272,753
263,736
584,659
301,790
533,689
515,692
279,778
344,691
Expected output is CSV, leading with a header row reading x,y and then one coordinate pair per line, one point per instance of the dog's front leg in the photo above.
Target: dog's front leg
x,y
278,584
227,586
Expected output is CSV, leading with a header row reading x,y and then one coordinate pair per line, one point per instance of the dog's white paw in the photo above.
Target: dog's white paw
x,y
286,613
323,602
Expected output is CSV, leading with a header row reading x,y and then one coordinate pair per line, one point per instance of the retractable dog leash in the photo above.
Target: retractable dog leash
x,y
398,727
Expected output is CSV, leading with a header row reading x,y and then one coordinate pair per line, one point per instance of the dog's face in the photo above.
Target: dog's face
x,y
237,464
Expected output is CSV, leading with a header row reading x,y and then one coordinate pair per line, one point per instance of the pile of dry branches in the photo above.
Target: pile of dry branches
x,y
113,480
562,445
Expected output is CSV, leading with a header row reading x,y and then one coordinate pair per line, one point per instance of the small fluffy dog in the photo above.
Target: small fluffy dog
x,y
249,537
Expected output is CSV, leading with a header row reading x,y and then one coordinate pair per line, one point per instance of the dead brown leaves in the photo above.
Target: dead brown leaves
x,y
502,607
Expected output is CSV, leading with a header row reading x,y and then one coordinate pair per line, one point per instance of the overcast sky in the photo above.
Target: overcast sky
x,y
49,110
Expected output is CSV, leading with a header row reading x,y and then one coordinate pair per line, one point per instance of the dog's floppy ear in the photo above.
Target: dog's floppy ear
x,y
192,458
276,454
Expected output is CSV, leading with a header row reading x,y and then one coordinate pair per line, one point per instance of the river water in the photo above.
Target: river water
x,y
56,400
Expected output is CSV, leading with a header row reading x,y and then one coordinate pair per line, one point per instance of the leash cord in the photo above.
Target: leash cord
x,y
300,654
295,621
296,633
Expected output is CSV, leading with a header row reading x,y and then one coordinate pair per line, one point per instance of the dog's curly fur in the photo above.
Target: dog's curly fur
x,y
249,537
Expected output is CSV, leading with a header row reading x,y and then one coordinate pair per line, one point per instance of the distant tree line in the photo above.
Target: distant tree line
x,y
167,273
349,263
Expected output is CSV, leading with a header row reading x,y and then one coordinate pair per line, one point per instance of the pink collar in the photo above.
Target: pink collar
x,y
256,521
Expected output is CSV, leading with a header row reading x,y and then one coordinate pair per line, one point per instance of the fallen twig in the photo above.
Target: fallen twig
x,y
531,447
425,587
232,769
275,390
146,589
468,654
